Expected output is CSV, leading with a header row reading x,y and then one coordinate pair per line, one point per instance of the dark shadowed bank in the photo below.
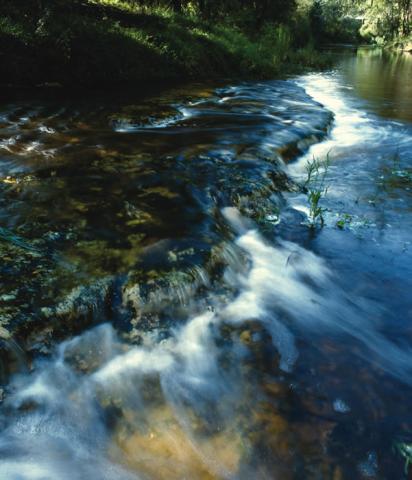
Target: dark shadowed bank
x,y
99,44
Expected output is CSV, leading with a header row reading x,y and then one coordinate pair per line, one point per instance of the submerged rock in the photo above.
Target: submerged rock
x,y
83,304
113,212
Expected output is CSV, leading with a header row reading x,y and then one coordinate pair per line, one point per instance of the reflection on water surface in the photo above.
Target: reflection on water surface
x,y
178,316
383,79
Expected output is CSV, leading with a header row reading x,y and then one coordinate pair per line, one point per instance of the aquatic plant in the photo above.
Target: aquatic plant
x,y
316,171
344,220
394,176
316,211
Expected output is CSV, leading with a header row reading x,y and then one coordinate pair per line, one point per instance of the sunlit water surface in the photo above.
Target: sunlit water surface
x,y
236,341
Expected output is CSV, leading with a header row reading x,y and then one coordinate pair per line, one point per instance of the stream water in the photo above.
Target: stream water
x,y
167,309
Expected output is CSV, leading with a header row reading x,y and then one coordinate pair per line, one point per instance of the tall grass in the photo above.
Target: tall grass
x,y
316,171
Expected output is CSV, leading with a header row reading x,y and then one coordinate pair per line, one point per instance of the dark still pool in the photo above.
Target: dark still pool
x,y
210,283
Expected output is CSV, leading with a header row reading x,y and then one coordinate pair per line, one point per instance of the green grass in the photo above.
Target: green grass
x,y
316,171
107,42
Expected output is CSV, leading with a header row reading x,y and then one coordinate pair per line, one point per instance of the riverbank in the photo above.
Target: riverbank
x,y
402,44
101,44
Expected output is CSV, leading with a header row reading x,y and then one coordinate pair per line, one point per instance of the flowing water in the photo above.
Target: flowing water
x,y
167,309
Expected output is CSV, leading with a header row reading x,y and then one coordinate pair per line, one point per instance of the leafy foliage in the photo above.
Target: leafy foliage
x,y
99,42
102,42
350,20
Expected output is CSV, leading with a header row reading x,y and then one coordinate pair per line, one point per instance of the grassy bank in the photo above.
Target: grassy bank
x,y
102,43
401,44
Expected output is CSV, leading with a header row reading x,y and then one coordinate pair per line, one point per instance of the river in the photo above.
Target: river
x,y
171,307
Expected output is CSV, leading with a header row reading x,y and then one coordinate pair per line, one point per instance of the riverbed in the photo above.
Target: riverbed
x,y
172,304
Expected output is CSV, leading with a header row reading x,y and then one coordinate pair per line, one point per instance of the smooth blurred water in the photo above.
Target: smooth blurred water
x,y
236,341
